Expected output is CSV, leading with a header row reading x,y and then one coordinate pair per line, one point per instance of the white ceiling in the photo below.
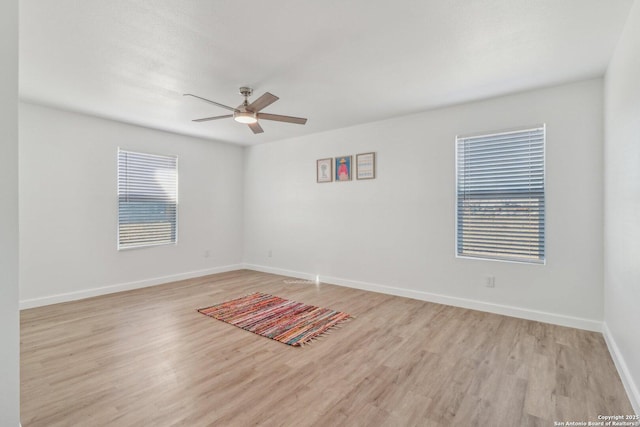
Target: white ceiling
x,y
337,62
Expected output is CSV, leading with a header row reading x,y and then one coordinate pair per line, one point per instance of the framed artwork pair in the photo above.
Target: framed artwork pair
x,y
341,168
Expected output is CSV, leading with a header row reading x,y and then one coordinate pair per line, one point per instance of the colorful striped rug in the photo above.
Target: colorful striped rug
x,y
289,322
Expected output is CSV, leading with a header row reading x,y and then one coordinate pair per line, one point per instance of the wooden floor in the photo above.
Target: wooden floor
x,y
147,358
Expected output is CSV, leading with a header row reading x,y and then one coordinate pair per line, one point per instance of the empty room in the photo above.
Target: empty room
x,y
294,213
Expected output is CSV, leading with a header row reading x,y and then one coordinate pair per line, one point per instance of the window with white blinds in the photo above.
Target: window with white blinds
x,y
147,199
501,195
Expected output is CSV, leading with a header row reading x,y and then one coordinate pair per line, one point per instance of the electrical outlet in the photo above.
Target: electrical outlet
x,y
269,254
490,281
206,253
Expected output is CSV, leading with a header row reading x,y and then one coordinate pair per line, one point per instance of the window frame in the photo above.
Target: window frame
x,y
174,233
543,241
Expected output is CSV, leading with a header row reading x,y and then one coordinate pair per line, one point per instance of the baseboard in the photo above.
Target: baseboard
x,y
633,391
103,290
523,313
282,272
557,319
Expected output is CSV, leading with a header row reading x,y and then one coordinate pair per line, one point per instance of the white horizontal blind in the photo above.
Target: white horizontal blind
x,y
147,199
501,195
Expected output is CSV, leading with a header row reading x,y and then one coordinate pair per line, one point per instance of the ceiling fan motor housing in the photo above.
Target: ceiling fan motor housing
x,y
246,91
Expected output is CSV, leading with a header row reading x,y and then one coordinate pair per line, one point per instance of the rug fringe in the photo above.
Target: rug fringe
x,y
326,332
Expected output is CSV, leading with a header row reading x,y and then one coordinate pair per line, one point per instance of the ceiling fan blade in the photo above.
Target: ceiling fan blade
x,y
211,102
264,101
279,118
206,119
255,127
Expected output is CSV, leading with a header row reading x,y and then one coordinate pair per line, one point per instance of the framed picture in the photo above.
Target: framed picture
x,y
343,168
324,170
366,166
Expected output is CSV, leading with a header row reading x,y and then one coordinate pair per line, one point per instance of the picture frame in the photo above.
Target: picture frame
x,y
324,170
366,165
343,168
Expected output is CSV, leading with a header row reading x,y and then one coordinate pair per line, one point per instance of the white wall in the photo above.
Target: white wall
x,y
396,233
9,315
622,206
68,207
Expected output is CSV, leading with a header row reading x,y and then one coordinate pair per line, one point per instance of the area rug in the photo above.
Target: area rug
x,y
283,320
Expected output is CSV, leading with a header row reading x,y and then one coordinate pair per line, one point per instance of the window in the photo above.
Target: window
x,y
147,199
501,195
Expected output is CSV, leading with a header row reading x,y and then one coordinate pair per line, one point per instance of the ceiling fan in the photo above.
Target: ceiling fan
x,y
249,113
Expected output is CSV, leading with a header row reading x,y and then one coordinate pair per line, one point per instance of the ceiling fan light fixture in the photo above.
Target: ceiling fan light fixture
x,y
245,117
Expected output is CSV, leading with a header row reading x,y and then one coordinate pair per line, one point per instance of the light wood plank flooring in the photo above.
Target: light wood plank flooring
x,y
147,358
